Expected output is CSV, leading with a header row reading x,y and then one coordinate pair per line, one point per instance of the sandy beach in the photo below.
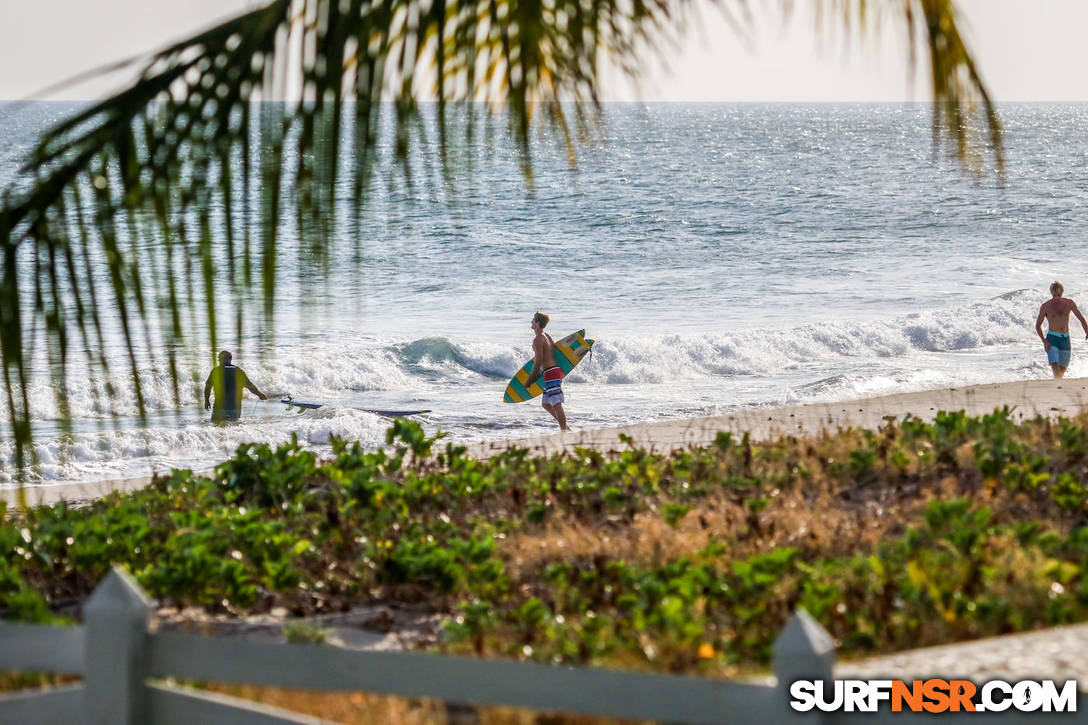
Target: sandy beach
x,y
1053,398
72,492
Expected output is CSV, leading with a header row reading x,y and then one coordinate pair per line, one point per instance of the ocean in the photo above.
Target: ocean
x,y
723,256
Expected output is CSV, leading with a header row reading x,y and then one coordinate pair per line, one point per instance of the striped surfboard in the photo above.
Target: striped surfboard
x,y
568,352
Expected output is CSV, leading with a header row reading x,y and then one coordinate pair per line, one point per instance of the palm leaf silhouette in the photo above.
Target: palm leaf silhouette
x,y
134,208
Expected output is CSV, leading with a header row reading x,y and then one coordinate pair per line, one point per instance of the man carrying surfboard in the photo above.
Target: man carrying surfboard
x,y
544,365
227,381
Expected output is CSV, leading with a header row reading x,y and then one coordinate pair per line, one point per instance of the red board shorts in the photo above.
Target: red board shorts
x,y
553,386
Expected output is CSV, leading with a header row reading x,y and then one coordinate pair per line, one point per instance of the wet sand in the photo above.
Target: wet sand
x,y
72,492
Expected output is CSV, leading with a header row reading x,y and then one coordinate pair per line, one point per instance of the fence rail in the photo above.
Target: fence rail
x,y
46,649
443,677
117,655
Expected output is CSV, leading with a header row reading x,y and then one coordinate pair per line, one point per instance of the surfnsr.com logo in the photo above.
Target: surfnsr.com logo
x,y
933,695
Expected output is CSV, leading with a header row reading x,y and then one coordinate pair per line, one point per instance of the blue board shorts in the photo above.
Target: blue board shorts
x,y
1060,349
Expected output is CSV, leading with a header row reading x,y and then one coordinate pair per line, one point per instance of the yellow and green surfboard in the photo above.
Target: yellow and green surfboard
x,y
568,352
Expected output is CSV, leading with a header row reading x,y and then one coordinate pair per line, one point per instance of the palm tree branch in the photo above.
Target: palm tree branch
x,y
153,160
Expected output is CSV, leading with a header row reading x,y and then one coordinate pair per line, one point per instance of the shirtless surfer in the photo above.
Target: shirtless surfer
x,y
544,365
1056,341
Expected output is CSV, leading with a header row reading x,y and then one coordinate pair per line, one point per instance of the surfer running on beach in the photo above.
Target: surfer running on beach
x,y
1056,341
544,365
227,381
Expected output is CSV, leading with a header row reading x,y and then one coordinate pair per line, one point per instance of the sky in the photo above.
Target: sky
x,y
1028,50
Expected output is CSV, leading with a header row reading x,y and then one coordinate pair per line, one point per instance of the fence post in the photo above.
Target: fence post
x,y
115,621
803,651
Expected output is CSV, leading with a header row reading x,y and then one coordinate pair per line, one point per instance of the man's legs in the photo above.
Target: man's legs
x,y
553,396
557,412
1063,360
560,416
1057,355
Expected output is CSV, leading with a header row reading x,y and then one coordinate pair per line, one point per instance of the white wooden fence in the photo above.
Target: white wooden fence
x,y
120,660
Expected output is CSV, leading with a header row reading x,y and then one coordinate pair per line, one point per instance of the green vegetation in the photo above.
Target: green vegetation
x,y
919,533
304,632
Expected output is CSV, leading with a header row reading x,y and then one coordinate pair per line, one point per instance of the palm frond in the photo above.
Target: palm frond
x,y
127,186
958,91
961,102
157,190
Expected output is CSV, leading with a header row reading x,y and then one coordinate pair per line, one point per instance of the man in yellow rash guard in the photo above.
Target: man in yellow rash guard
x,y
227,381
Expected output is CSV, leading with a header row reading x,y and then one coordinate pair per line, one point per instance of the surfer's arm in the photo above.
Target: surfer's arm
x,y
538,353
253,388
534,374
1083,322
208,392
1039,326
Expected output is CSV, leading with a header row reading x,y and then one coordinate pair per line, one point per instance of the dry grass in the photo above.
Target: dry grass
x,y
818,514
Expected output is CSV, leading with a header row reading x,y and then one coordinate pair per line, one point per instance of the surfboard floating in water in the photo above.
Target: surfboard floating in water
x,y
568,352
301,406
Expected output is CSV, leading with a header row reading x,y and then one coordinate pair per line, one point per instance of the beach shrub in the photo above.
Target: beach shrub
x,y
301,632
917,533
266,477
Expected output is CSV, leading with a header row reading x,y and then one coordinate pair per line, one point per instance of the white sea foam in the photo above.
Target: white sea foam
x,y
332,372
199,445
625,380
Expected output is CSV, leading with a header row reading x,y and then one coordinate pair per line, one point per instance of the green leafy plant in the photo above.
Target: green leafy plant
x,y
303,632
581,557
